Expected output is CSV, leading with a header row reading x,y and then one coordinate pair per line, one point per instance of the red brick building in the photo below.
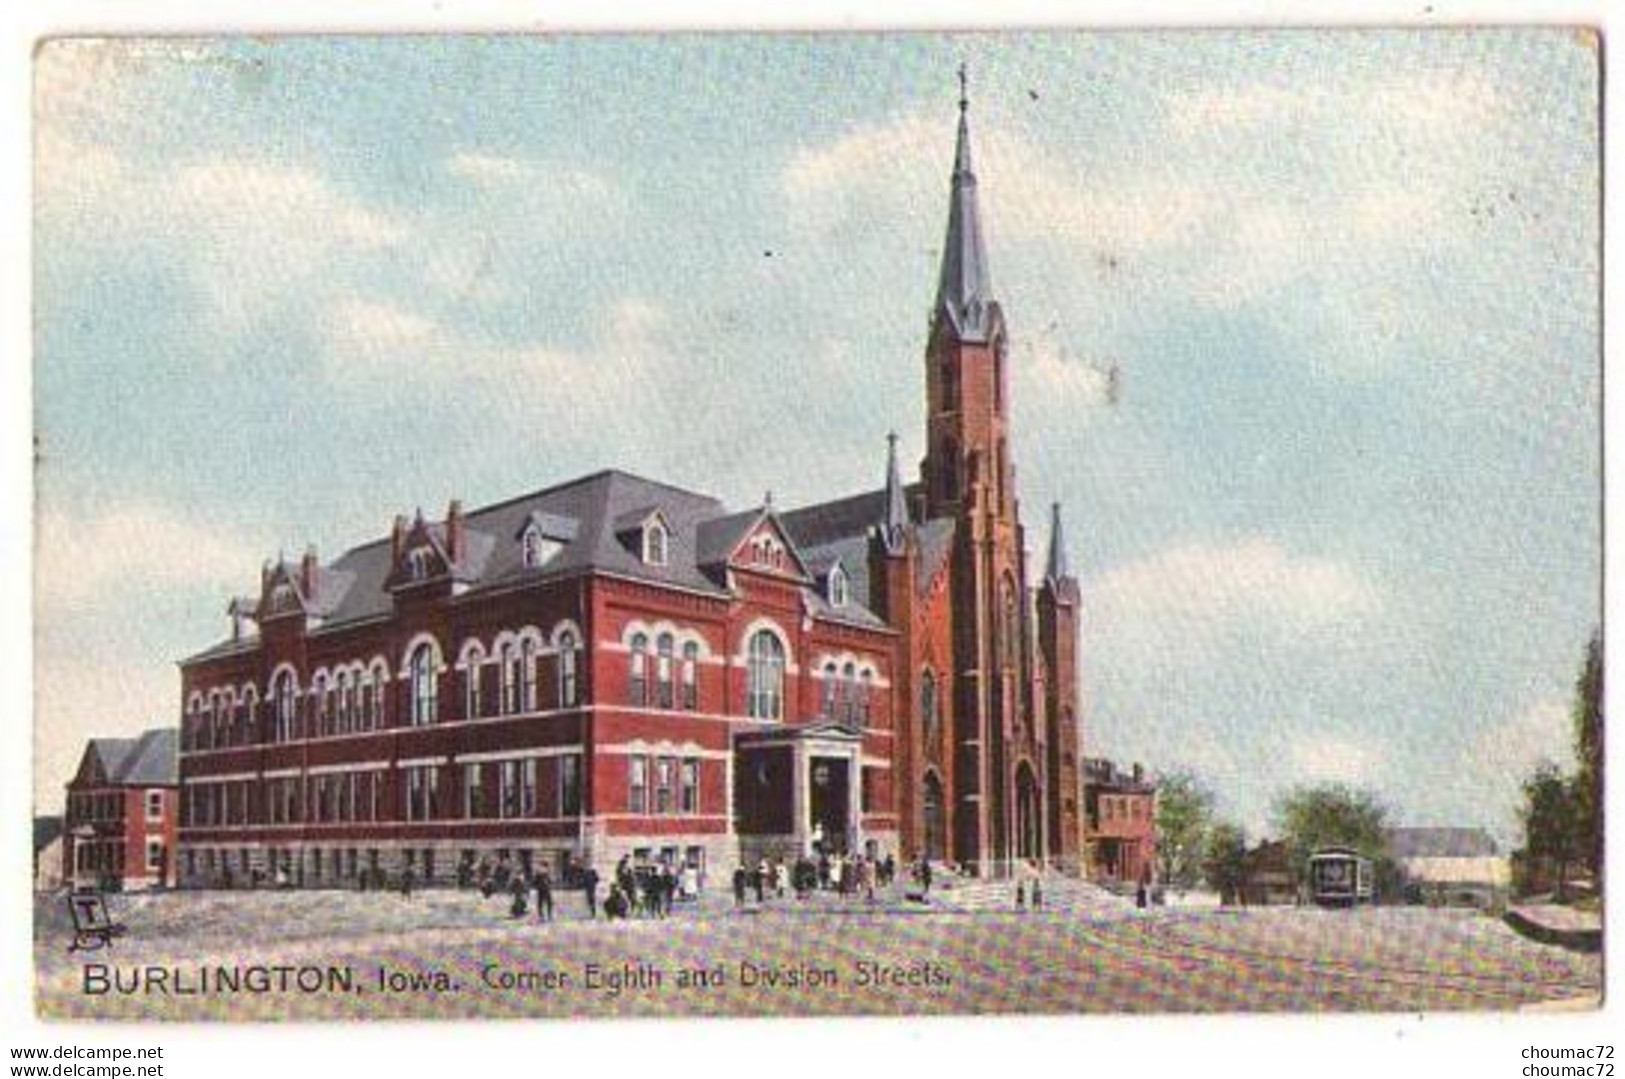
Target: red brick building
x,y
613,665
119,829
1120,823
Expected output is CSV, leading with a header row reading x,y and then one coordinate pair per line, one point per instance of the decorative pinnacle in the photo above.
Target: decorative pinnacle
x,y
964,88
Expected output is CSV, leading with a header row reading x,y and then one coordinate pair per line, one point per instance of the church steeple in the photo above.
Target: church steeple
x,y
892,527
1055,568
964,287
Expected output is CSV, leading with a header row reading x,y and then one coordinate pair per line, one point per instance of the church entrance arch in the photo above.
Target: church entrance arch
x,y
936,820
1027,810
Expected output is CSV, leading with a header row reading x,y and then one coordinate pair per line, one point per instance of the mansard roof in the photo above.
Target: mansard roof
x,y
590,517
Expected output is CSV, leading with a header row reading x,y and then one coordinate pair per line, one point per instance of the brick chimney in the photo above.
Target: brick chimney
x,y
307,571
397,538
455,539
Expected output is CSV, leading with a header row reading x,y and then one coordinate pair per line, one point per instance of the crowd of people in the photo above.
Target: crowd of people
x,y
830,871
650,889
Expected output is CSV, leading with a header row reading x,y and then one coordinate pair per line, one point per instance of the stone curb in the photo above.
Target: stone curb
x,y
1575,940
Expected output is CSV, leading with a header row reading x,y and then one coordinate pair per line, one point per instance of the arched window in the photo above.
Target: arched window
x,y
321,700
637,682
691,687
510,678
533,548
567,670
472,705
832,690
654,543
251,717
367,719
664,647
865,686
837,587
527,674
766,676
930,712
285,707
346,702
421,672
849,692
206,733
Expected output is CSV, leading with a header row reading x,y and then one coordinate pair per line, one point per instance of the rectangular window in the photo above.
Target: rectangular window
x,y
155,805
509,789
422,792
690,802
527,787
664,795
474,807
637,784
570,786
637,687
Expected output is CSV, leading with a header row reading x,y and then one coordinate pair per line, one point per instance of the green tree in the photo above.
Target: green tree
x,y
1550,844
1588,737
1184,810
1224,861
1332,815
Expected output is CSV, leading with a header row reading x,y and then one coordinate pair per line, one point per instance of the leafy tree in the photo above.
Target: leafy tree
x,y
1331,815
1588,741
1224,861
1184,811
1550,836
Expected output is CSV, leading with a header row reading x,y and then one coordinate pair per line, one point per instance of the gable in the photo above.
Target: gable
x,y
766,548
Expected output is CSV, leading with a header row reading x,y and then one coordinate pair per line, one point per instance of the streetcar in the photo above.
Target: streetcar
x,y
1340,877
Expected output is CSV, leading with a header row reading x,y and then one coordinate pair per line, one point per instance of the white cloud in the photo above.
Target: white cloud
x,y
1028,193
1198,585
372,343
488,168
1322,758
131,547
1516,745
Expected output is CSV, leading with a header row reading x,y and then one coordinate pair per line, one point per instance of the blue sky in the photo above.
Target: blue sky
x,y
1343,522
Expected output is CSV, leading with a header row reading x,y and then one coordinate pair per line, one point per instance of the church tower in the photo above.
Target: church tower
x,y
967,476
1058,651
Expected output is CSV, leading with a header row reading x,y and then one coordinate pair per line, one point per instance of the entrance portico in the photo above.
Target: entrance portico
x,y
799,787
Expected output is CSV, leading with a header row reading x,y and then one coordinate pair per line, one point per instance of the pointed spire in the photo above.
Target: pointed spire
x,y
964,287
1056,569
892,528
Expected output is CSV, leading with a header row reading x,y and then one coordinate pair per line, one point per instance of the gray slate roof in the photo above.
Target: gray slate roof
x,y
46,831
590,516
146,761
1441,843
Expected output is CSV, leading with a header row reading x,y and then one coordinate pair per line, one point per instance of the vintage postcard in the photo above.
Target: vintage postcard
x,y
861,524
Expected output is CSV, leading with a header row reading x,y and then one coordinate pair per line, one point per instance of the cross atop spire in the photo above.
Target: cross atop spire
x,y
1055,569
964,287
893,526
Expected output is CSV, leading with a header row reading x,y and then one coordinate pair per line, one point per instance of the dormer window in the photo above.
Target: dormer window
x,y
536,549
655,542
838,587
417,563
